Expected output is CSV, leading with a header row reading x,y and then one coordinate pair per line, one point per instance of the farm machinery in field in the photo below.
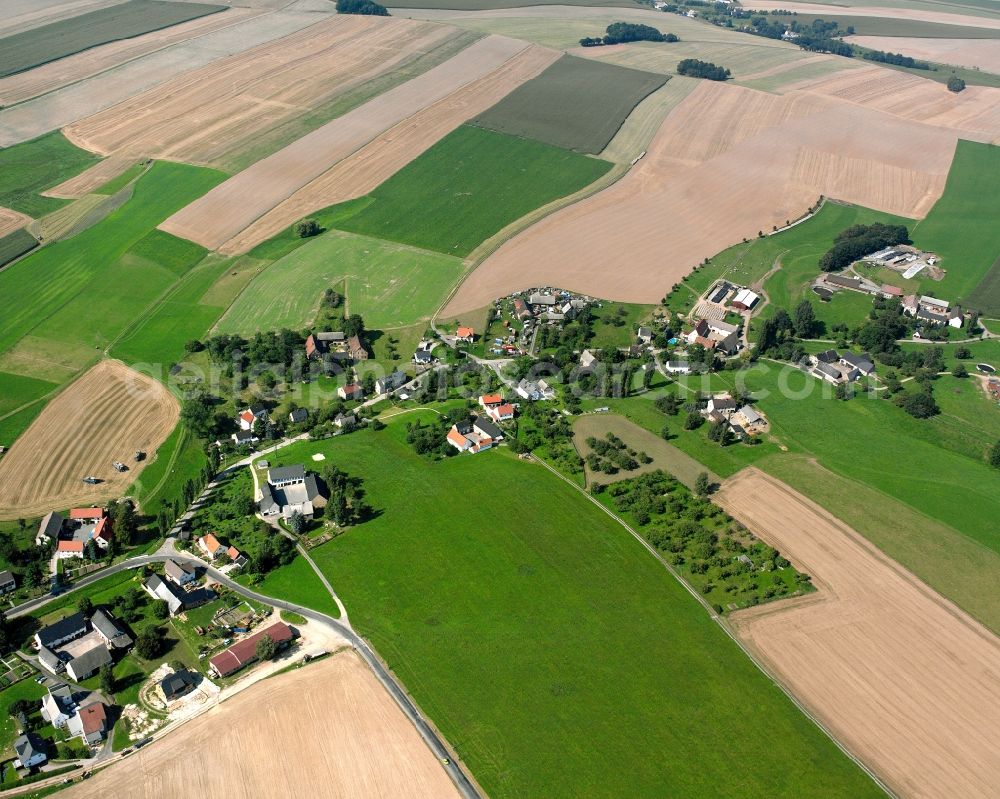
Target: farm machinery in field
x,y
119,466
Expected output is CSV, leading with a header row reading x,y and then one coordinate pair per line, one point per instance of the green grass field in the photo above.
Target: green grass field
x,y
889,26
297,583
389,284
615,663
467,187
18,390
962,229
31,48
16,244
60,311
576,103
29,168
180,458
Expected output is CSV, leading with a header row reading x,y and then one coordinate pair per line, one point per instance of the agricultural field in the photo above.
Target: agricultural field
x,y
978,13
106,415
576,104
16,244
31,48
19,390
52,289
961,229
973,53
727,164
532,578
892,668
26,170
350,739
389,284
468,187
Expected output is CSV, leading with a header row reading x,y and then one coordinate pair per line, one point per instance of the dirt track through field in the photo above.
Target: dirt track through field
x,y
905,679
105,415
971,53
203,115
55,74
389,152
728,162
326,730
232,206
11,220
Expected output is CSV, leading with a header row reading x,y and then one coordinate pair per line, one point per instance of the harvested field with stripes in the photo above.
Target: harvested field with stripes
x,y
727,162
972,53
341,735
105,415
55,74
904,678
895,12
377,161
204,115
11,221
232,206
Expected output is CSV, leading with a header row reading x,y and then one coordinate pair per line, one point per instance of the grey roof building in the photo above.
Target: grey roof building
x,y
485,427
7,582
87,663
281,475
180,573
62,631
160,589
112,634
50,528
298,416
30,750
49,660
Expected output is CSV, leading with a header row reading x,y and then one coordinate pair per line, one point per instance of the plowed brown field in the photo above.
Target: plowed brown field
x,y
971,53
202,115
902,677
106,415
232,206
727,162
385,155
51,76
327,730
11,220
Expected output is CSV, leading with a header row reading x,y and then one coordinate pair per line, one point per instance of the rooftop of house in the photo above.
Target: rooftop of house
x,y
487,427
91,660
242,652
62,628
210,541
280,474
94,718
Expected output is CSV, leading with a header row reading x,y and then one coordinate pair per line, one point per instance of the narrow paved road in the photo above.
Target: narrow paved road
x,y
396,691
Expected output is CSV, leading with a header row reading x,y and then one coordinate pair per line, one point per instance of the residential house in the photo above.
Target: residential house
x,y
587,359
319,344
69,549
50,660
713,334
501,413
160,589
49,529
354,391
890,292
677,367
534,390
466,334
179,572
723,404
176,685
423,357
487,401
745,300
863,363
288,490
298,416
391,382
104,623
486,429
466,436
644,335
345,420
521,310
356,349
57,634
7,582
88,662
237,558
249,416
210,545
30,750
827,356
93,723
244,438
58,705
244,652
828,372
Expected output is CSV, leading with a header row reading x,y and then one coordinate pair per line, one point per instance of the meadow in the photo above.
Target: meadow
x,y
36,46
607,641
180,458
962,228
389,284
16,244
576,103
467,187
29,168
61,312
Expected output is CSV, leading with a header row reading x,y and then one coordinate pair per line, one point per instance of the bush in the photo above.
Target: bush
x,y
694,68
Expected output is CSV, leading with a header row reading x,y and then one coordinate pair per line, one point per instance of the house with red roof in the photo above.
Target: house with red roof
x,y
210,545
93,723
501,413
465,334
69,549
354,391
244,652
248,416
488,401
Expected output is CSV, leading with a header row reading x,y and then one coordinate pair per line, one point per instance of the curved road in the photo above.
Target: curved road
x,y
396,691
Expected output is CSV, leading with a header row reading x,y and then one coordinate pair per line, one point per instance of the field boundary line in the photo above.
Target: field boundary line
x,y
725,626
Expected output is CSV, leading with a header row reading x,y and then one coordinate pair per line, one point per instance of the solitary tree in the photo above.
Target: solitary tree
x,y
306,228
805,319
85,606
148,643
960,370
266,648
955,84
297,523
702,484
107,679
161,609
994,458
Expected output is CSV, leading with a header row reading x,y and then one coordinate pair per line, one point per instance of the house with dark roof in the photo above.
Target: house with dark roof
x,y
50,660
423,357
87,663
110,632
58,705
7,582
30,750
828,372
486,429
288,490
298,416
720,292
57,634
49,529
244,652
827,356
391,382
176,685
863,363
244,438
160,589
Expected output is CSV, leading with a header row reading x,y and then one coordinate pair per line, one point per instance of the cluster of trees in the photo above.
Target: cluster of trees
x,y
820,43
266,349
272,550
777,338
694,68
346,503
429,438
307,228
900,60
609,454
363,7
622,32
956,84
859,240
701,540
